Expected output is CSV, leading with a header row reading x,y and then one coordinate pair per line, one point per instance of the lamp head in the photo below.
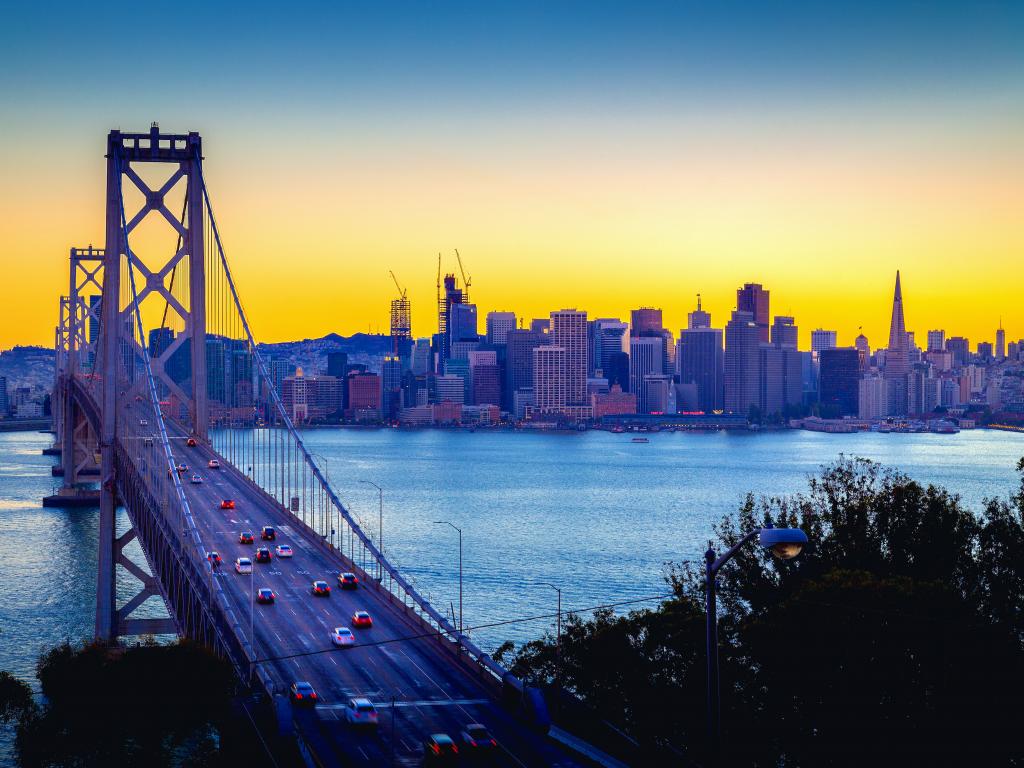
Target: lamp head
x,y
784,543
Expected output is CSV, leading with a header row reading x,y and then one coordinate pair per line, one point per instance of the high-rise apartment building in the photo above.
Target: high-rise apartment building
x,y
498,326
742,362
550,390
645,359
936,341
753,298
569,332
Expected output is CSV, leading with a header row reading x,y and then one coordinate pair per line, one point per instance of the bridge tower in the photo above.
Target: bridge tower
x,y
154,278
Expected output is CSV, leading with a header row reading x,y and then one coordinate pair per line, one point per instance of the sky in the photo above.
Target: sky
x,y
597,155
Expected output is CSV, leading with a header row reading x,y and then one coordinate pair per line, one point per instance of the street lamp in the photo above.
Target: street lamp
x,y
445,522
558,637
380,525
785,544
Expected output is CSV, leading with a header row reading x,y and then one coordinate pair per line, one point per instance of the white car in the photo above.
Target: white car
x,y
243,565
196,480
360,712
213,464
283,550
143,423
343,637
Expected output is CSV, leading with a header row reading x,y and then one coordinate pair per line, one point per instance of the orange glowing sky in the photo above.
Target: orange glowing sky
x,y
602,170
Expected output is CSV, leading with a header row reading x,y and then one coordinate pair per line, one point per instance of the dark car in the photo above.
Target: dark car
x,y
191,442
321,589
245,537
302,693
214,558
476,738
439,749
265,596
348,580
263,555
267,533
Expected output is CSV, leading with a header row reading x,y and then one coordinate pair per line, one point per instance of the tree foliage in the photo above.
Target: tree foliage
x,y
895,638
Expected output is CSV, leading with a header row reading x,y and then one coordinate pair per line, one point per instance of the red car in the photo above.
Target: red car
x,y
245,537
362,619
191,442
265,596
227,504
321,589
263,555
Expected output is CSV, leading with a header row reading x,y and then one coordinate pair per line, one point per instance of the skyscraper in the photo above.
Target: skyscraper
x,y
700,360
569,331
498,326
897,354
1000,342
936,341
864,350
337,364
960,348
519,348
784,332
698,318
549,381
753,298
742,362
608,336
645,359
839,388
645,320
822,339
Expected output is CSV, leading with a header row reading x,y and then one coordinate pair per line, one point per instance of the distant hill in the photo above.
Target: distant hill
x,y
30,367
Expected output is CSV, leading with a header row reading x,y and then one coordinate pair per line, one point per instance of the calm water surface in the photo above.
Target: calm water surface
x,y
593,513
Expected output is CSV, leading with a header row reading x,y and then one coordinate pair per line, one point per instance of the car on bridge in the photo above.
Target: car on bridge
x,y
362,620
214,557
321,589
267,533
213,464
439,749
191,442
197,480
343,637
143,423
243,565
245,537
265,596
360,711
182,469
263,555
283,550
302,693
227,504
348,580
477,739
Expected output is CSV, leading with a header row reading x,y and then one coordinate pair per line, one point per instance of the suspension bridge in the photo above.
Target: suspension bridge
x,y
157,367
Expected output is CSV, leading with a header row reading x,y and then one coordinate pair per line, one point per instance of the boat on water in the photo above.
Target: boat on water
x,y
641,440
944,427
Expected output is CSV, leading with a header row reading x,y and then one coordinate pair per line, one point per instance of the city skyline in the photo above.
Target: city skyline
x,y
598,158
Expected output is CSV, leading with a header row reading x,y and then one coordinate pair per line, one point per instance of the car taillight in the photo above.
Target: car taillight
x,y
455,749
312,695
436,749
494,743
298,695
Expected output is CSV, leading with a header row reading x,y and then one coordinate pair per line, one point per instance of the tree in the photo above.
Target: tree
x,y
16,702
895,639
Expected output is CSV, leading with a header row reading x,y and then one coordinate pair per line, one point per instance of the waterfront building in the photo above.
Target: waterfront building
x,y
364,396
450,388
519,348
485,377
521,400
498,324
645,359
569,332
550,384
658,394
614,403
753,298
741,363
873,397
780,378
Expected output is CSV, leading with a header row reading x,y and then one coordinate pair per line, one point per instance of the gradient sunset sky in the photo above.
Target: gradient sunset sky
x,y
579,154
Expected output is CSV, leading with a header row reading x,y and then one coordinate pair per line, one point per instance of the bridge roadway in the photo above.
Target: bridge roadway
x,y
432,694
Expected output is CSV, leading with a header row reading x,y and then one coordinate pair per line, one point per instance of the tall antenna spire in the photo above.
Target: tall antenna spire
x,y
698,303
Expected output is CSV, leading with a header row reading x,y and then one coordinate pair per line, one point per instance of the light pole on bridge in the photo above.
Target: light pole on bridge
x,y
558,636
380,526
445,522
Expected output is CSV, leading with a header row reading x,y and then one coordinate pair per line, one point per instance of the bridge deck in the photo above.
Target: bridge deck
x,y
432,693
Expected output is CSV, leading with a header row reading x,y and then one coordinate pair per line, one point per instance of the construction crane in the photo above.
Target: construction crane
x,y
466,281
401,290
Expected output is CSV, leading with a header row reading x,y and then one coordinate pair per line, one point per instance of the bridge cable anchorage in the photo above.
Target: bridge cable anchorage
x,y
293,472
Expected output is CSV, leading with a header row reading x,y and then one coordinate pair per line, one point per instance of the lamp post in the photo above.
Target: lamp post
x,y
785,544
380,525
558,637
445,522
